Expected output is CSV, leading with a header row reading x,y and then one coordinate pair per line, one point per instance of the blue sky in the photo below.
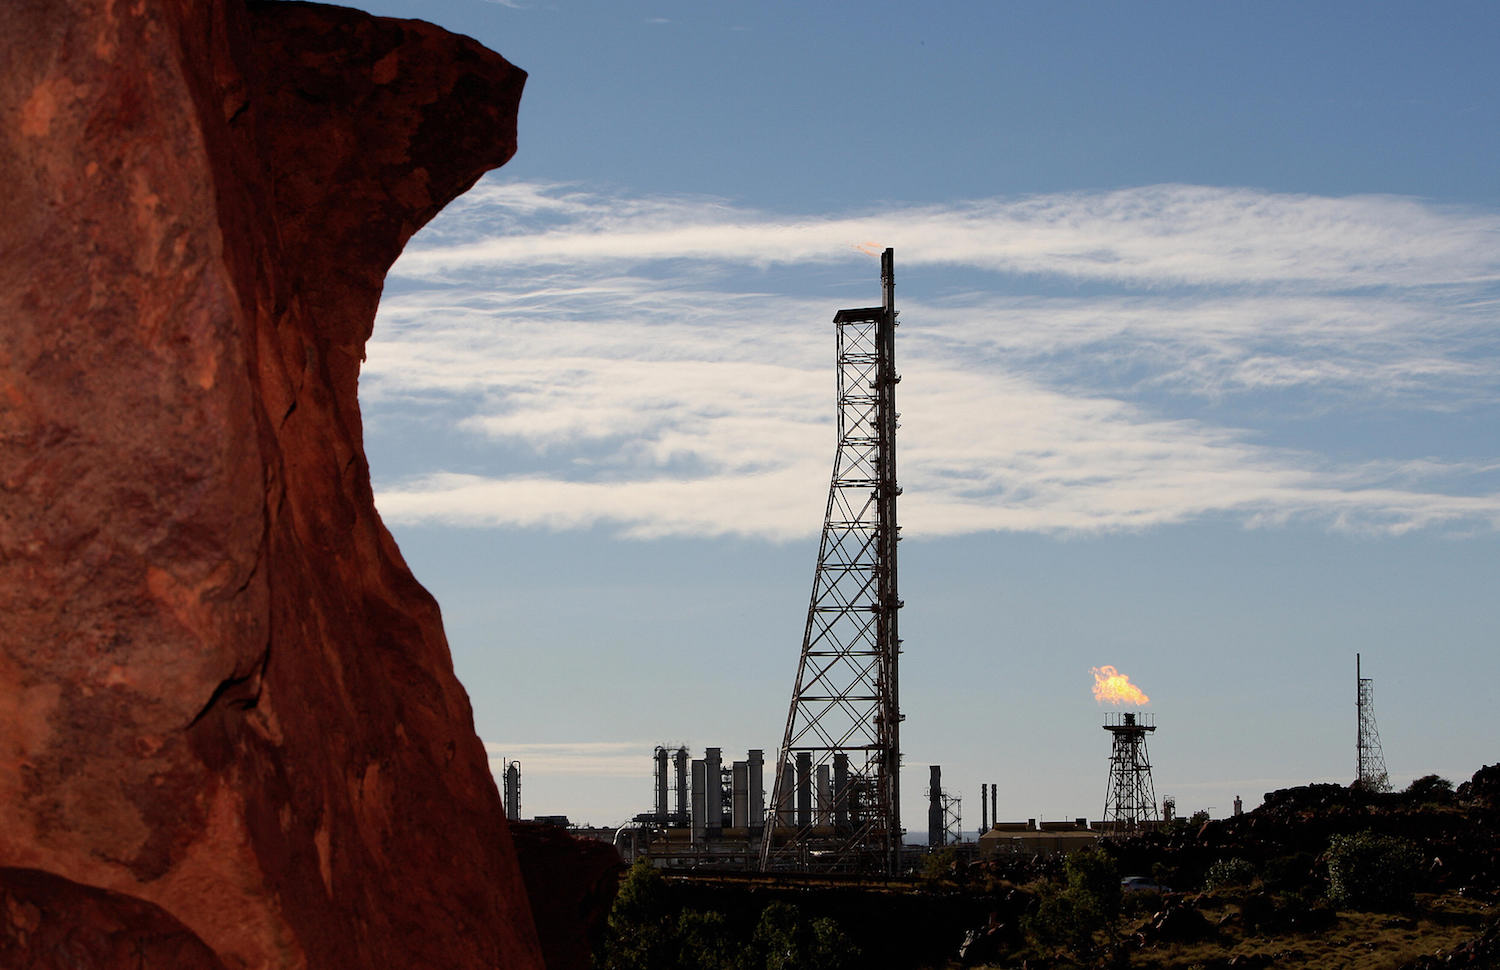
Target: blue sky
x,y
1200,364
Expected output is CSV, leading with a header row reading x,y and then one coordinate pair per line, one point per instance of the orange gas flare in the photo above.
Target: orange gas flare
x,y
869,248
1113,687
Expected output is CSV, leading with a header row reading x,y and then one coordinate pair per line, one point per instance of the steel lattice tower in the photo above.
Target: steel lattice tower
x,y
843,725
953,819
1130,800
1369,763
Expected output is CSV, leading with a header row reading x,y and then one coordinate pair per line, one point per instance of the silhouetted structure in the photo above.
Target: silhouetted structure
x,y
1130,800
944,813
513,790
1369,759
844,721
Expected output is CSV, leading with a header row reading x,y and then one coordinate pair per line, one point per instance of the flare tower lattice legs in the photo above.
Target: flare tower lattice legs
x,y
842,739
1130,799
1369,768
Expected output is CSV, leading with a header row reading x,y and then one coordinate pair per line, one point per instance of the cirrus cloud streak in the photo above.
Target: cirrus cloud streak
x,y
661,366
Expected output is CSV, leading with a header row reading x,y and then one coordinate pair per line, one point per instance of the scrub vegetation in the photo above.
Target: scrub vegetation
x,y
1319,877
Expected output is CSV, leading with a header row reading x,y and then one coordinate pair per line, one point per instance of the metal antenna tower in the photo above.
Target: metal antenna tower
x,y
1130,799
1369,759
844,712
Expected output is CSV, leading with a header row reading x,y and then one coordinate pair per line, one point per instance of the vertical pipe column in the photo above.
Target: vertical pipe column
x,y
700,814
994,805
825,796
757,790
739,796
804,789
935,808
681,759
984,808
841,789
713,793
661,785
890,603
785,815
513,790
1359,725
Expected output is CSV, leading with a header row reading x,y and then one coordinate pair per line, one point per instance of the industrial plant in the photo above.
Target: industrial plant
x,y
711,814
834,783
835,786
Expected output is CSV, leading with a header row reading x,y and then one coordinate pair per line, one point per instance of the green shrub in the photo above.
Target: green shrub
x,y
1092,875
1229,872
642,926
1370,871
831,948
647,931
1142,903
1063,919
704,943
1090,901
940,865
1430,789
783,940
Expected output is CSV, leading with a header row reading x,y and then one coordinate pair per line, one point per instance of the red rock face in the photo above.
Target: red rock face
x,y
99,928
228,715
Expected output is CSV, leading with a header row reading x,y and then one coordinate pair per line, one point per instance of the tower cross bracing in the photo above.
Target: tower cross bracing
x,y
843,724
1369,768
1130,797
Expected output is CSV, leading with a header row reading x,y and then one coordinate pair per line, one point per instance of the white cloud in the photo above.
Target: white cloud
x,y
1377,345
1164,234
640,368
590,758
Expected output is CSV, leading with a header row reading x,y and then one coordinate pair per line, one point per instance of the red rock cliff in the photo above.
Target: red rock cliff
x,y
229,724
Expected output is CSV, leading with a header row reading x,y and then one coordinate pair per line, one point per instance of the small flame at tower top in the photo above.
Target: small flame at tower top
x,y
1113,687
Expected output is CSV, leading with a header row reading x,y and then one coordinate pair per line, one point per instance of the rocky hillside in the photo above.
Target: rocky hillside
x,y
1318,876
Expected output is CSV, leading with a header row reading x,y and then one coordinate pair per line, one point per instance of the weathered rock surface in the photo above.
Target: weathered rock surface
x,y
53,923
228,718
